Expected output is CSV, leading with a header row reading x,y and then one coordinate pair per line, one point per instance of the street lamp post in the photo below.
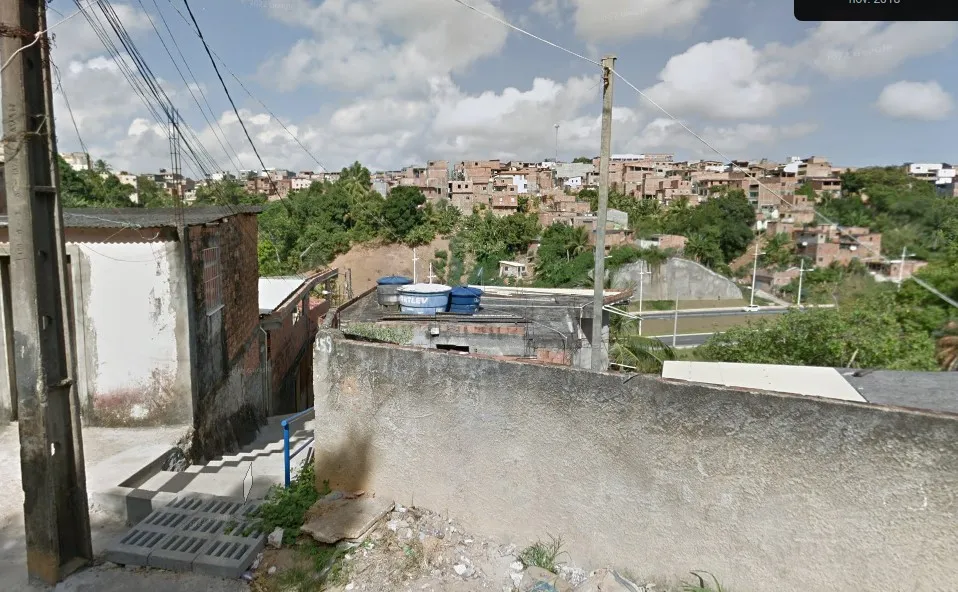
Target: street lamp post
x,y
642,275
754,273
557,144
901,266
801,273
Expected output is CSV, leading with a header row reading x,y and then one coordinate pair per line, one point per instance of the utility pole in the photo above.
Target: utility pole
x,y
754,272
801,273
415,279
55,513
608,64
901,266
675,320
557,145
642,275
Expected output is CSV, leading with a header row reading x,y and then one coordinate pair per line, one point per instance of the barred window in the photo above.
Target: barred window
x,y
212,282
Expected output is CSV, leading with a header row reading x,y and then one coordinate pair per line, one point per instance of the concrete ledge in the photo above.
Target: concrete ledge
x,y
112,484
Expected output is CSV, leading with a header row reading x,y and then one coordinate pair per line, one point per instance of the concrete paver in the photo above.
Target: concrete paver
x,y
98,444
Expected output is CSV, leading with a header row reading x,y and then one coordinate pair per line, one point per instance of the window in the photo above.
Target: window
x,y
212,285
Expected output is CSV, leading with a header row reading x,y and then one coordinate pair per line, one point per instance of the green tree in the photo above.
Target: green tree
x,y
778,251
402,212
228,192
97,188
582,160
873,333
635,352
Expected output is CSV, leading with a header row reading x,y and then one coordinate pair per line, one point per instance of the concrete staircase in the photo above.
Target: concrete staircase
x,y
245,475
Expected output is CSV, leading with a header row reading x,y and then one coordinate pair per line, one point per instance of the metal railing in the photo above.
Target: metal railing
x,y
287,455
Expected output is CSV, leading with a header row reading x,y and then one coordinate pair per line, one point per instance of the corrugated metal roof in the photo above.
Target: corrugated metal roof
x,y
810,381
274,291
146,217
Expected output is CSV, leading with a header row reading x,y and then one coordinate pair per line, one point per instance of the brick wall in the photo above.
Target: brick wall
x,y
223,333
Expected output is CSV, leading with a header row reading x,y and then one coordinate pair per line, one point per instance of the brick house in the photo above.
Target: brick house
x,y
289,316
166,331
825,245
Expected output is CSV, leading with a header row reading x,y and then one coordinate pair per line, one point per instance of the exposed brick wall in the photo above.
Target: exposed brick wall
x,y
239,276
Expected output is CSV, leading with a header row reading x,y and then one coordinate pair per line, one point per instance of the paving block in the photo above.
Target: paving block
x,y
205,524
135,546
220,507
178,550
228,556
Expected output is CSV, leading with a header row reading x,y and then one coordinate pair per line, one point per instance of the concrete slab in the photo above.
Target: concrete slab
x,y
228,556
177,551
344,519
134,547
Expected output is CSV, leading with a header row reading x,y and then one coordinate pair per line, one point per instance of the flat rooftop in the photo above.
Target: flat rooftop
x,y
146,217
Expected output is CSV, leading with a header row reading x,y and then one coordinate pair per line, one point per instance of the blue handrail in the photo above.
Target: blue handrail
x,y
287,456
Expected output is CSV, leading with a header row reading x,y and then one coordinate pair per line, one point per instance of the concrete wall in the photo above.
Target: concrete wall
x,y
692,280
132,332
768,492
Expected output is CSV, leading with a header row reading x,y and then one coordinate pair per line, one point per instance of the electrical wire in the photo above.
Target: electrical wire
x,y
230,97
698,137
252,96
237,162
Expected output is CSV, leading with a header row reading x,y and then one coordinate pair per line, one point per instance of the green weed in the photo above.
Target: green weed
x,y
542,554
286,508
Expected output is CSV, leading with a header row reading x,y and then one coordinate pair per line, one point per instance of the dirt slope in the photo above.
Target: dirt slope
x,y
371,262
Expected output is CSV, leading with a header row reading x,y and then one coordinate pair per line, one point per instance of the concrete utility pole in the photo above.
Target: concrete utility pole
x,y
642,275
754,272
55,512
608,64
801,274
675,320
901,266
415,278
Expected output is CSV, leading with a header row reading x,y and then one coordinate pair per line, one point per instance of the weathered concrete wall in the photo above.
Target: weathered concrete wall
x,y
768,492
692,280
133,365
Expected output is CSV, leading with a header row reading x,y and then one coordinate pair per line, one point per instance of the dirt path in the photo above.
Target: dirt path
x,y
370,262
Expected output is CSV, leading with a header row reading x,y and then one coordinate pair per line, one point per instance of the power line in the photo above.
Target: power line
x,y
230,97
66,100
252,96
237,163
685,127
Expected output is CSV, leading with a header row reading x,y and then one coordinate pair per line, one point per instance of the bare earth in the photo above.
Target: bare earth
x,y
370,262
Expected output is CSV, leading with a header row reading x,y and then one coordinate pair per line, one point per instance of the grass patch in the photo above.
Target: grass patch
x,y
542,554
702,585
286,508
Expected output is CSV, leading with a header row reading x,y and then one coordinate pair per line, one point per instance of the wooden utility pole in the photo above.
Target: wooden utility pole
x,y
55,513
605,154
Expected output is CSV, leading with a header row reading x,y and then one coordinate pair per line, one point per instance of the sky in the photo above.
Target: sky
x,y
393,83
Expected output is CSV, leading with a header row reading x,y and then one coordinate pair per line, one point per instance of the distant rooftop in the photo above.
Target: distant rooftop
x,y
274,291
146,217
926,391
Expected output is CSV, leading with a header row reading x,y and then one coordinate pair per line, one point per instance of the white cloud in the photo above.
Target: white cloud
x,y
859,50
722,79
733,141
925,101
382,44
621,19
76,39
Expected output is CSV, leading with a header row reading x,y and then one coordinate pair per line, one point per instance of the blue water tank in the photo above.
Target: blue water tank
x,y
387,289
424,299
464,300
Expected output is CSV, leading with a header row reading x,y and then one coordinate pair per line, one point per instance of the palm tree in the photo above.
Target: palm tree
x,y
576,240
948,348
643,354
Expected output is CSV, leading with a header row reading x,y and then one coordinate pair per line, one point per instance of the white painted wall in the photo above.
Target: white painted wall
x,y
127,293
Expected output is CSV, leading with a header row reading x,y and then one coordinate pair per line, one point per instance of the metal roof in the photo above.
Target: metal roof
x,y
273,291
929,391
146,217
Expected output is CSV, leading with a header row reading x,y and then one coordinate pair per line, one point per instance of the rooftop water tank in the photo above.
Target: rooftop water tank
x,y
464,300
424,299
387,287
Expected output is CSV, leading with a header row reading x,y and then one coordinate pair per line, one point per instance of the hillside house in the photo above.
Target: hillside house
x,y
166,330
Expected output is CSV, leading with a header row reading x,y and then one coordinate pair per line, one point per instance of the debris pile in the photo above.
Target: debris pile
x,y
370,544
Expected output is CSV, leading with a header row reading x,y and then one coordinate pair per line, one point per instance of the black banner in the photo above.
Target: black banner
x,y
876,10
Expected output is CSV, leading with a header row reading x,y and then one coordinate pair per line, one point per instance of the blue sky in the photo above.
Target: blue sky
x,y
392,83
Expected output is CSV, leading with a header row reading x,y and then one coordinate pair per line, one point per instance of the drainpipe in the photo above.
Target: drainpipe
x,y
264,362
